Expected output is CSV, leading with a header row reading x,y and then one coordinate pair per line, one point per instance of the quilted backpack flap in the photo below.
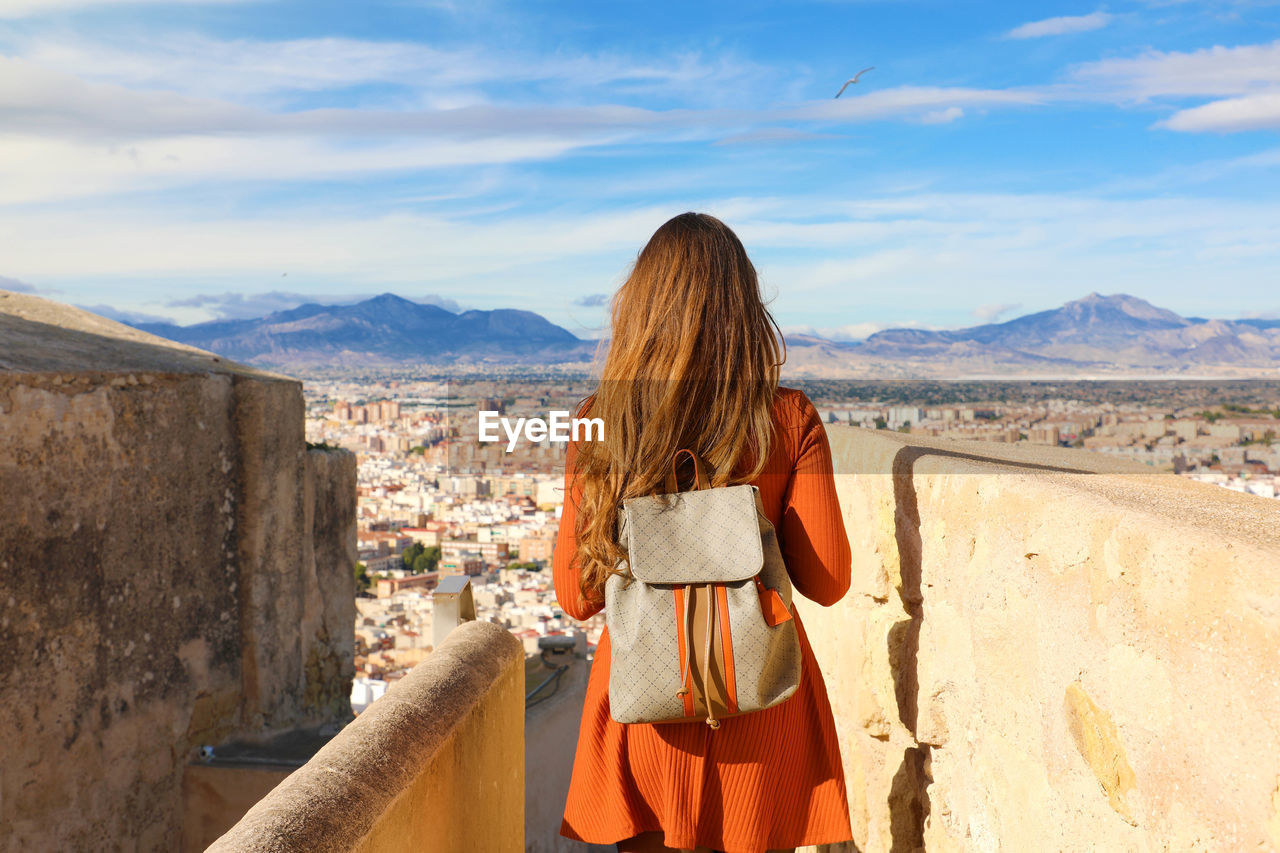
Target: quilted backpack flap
x,y
697,537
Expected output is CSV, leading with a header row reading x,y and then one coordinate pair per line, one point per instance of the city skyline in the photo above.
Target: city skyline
x,y
194,160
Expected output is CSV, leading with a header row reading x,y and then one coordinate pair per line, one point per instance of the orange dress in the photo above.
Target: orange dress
x,y
764,780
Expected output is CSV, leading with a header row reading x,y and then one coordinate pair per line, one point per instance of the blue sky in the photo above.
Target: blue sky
x,y
192,160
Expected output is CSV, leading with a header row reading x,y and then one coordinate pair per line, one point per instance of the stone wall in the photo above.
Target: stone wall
x,y
1044,650
435,764
175,570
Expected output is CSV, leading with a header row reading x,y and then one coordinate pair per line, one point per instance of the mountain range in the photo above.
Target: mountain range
x,y
1096,334
1116,334
386,329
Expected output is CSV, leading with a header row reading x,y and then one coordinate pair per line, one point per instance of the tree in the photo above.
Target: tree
x,y
410,554
363,581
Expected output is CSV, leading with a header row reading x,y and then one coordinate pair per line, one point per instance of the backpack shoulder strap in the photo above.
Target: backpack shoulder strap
x,y
700,478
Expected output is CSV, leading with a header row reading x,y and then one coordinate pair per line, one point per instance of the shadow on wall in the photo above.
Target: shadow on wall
x,y
909,793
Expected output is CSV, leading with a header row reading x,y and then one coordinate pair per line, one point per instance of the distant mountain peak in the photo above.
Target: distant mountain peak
x,y
1097,306
388,299
386,328
1095,330
1115,299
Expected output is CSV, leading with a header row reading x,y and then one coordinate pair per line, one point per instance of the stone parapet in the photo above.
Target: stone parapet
x,y
1044,649
435,764
175,571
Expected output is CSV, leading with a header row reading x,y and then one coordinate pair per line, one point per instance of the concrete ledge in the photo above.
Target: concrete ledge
x,y
1047,649
437,764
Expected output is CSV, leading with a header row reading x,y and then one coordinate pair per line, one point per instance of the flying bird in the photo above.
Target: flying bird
x,y
853,79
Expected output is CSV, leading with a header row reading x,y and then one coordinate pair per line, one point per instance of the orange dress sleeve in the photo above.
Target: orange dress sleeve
x,y
565,571
815,546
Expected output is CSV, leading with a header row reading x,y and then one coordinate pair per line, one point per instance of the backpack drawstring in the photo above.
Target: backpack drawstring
x,y
706,661
687,665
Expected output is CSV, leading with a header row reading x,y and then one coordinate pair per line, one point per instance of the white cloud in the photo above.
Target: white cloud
x,y
418,74
440,302
831,263
946,252
946,116
1212,71
66,137
1245,79
401,248
81,118
36,99
993,312
849,332
198,65
37,169
771,134
241,305
29,8
1060,26
126,316
1252,112
907,102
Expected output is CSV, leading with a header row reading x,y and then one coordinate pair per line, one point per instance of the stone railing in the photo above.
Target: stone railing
x,y
435,764
1047,650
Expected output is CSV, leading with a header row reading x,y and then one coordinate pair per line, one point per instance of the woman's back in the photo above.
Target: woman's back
x,y
771,779
693,364
797,490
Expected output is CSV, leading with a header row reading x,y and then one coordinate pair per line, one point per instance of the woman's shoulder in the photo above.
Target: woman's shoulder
x,y
792,408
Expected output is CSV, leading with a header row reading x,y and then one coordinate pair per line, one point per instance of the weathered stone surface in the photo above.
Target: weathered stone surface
x,y
41,336
436,764
216,797
153,504
328,641
1095,735
1049,650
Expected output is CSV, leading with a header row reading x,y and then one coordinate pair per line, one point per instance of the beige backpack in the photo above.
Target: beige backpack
x,y
700,621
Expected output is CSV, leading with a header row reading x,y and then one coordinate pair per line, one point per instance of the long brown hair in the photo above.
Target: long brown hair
x,y
692,363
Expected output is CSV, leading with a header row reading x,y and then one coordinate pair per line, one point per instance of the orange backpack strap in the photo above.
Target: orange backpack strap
x,y
700,479
771,605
